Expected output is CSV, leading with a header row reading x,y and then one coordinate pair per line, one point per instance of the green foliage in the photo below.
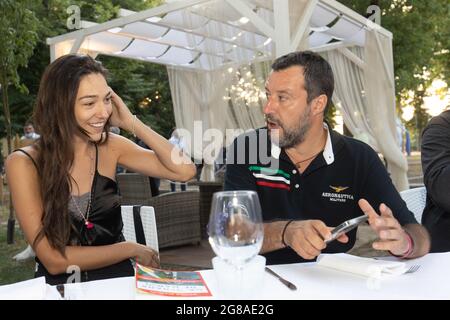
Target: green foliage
x,y
133,80
18,29
420,30
137,5
330,115
12,271
418,122
19,34
421,44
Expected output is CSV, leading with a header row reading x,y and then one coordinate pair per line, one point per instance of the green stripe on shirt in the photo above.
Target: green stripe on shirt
x,y
270,171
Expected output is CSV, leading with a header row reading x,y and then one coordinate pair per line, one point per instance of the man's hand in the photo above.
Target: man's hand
x,y
308,237
241,229
392,236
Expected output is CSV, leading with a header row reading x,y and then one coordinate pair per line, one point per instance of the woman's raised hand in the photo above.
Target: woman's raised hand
x,y
121,116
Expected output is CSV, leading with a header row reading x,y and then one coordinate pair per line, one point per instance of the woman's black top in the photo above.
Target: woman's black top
x,y
105,215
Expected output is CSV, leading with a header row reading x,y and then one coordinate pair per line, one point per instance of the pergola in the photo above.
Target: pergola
x,y
212,47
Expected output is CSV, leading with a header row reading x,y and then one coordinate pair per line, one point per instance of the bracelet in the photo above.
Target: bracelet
x,y
134,122
284,231
410,249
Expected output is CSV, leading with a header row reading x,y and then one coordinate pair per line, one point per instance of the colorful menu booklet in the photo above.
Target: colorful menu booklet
x,y
170,283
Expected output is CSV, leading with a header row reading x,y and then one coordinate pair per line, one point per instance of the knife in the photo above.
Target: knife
x,y
288,284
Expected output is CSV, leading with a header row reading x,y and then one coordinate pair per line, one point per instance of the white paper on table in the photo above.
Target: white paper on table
x,y
33,289
367,267
73,291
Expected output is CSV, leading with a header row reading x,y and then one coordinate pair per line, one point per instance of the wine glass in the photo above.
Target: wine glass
x,y
235,226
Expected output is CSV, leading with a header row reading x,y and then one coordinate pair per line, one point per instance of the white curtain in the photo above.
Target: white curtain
x,y
380,97
201,101
349,94
198,101
366,99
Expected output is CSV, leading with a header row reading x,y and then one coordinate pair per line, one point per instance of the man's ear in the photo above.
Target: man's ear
x,y
319,104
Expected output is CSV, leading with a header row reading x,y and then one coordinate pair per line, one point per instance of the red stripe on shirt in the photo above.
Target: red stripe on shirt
x,y
273,185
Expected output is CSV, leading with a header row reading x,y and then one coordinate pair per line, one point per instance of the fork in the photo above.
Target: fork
x,y
413,268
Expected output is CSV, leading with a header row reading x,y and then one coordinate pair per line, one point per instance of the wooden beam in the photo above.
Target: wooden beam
x,y
77,44
119,22
353,57
304,24
353,15
282,37
256,20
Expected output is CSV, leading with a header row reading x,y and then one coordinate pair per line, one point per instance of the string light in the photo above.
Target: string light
x,y
147,101
245,89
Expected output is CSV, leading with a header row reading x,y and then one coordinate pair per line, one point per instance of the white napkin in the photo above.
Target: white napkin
x,y
74,291
367,267
34,289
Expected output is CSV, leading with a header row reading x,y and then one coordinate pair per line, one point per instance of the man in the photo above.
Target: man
x,y
314,178
436,172
29,133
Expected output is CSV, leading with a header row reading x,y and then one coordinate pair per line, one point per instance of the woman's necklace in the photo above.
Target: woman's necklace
x,y
85,217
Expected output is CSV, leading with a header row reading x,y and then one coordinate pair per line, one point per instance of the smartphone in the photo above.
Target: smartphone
x,y
346,227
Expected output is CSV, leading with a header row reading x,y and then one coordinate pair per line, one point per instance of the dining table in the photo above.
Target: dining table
x,y
313,281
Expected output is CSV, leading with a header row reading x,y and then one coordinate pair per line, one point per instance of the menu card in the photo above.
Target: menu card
x,y
170,283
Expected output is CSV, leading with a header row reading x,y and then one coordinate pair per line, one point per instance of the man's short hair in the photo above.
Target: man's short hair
x,y
317,72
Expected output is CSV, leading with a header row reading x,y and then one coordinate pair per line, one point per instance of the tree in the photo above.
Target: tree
x,y
421,43
18,27
420,30
129,78
143,86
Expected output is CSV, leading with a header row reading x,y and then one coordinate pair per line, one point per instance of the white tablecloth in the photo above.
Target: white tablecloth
x,y
432,281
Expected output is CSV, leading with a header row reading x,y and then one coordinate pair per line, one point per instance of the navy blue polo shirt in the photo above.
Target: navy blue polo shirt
x,y
328,190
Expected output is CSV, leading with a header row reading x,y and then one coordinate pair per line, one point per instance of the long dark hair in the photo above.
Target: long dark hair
x,y
54,118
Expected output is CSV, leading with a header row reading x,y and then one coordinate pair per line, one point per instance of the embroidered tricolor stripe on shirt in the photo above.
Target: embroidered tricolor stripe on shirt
x,y
273,178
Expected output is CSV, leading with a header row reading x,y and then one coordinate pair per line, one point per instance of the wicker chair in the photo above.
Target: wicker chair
x,y
134,189
415,201
177,218
207,190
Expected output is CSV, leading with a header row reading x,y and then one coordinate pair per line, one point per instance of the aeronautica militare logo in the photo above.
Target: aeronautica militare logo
x,y
339,189
337,196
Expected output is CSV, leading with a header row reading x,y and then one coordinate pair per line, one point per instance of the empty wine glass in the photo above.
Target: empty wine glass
x,y
235,226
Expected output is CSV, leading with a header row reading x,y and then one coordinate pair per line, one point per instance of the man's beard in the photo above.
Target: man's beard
x,y
292,136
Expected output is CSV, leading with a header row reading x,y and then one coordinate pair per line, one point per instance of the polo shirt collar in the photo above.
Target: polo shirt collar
x,y
327,153
275,151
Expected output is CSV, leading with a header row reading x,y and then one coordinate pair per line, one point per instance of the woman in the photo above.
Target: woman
x,y
63,187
